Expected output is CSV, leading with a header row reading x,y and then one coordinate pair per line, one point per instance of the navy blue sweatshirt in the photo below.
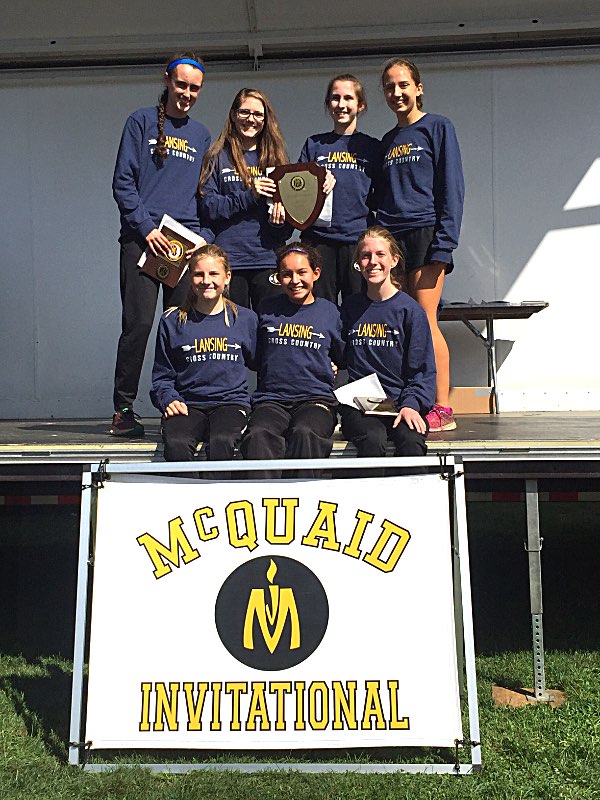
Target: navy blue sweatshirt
x,y
146,188
391,338
422,182
239,218
203,361
354,161
296,345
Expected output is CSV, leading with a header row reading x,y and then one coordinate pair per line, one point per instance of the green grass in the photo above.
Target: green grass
x,y
532,752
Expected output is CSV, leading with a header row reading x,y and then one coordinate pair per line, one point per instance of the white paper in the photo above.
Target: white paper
x,y
369,386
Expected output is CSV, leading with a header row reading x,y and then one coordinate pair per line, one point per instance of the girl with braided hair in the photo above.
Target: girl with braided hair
x,y
157,171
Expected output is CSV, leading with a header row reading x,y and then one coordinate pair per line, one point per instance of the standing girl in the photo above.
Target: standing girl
x,y
156,173
387,333
293,408
421,203
203,351
235,190
353,158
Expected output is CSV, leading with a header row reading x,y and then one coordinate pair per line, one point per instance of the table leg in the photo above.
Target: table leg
x,y
491,349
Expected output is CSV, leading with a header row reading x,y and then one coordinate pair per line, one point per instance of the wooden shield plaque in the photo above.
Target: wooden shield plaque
x,y
300,189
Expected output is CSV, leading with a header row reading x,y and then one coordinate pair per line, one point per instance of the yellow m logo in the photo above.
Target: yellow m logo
x,y
273,619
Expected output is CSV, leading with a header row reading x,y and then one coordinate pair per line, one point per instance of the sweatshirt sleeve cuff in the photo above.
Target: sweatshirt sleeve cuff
x,y
145,228
444,256
207,235
409,402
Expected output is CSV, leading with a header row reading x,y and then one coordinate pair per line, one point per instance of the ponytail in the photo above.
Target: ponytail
x,y
397,273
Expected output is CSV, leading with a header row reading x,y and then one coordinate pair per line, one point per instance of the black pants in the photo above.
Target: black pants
x,y
370,435
249,286
139,293
220,427
289,430
338,275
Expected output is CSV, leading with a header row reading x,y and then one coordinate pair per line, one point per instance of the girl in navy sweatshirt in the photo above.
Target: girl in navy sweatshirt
x,y
157,171
421,203
353,159
293,407
235,190
387,333
203,351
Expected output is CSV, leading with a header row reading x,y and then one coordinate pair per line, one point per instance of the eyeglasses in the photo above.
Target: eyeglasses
x,y
246,113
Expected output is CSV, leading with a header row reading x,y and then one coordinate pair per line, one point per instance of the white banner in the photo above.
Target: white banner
x,y
289,614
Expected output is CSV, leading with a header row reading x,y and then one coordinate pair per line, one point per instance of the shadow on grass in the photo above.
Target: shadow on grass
x,y
43,703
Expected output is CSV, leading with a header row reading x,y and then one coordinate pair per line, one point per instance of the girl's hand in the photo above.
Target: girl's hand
x,y
189,253
334,369
158,243
264,187
329,182
176,407
412,418
277,215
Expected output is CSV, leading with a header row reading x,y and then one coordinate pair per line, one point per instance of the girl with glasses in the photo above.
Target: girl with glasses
x,y
235,189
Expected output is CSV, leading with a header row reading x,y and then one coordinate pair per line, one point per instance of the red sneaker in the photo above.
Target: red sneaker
x,y
441,419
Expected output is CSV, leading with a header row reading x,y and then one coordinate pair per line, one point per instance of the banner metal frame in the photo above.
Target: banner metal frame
x,y
449,468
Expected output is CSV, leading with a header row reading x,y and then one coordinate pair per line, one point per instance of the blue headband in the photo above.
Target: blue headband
x,y
191,61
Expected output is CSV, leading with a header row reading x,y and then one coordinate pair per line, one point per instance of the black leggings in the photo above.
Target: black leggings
x,y
370,435
289,429
338,275
139,294
249,286
220,427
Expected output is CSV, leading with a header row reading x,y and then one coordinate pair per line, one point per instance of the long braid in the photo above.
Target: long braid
x,y
161,150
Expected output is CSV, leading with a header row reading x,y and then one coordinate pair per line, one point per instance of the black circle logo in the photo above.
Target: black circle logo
x,y
297,183
271,613
162,272
274,279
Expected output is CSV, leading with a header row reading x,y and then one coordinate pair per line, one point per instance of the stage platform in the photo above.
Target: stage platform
x,y
507,437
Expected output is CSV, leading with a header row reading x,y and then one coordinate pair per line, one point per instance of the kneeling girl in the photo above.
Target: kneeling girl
x,y
387,333
293,408
203,352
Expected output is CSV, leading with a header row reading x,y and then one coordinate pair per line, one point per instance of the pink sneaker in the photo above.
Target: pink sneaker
x,y
441,419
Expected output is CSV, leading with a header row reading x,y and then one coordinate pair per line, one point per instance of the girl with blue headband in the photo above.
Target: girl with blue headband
x,y
157,171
